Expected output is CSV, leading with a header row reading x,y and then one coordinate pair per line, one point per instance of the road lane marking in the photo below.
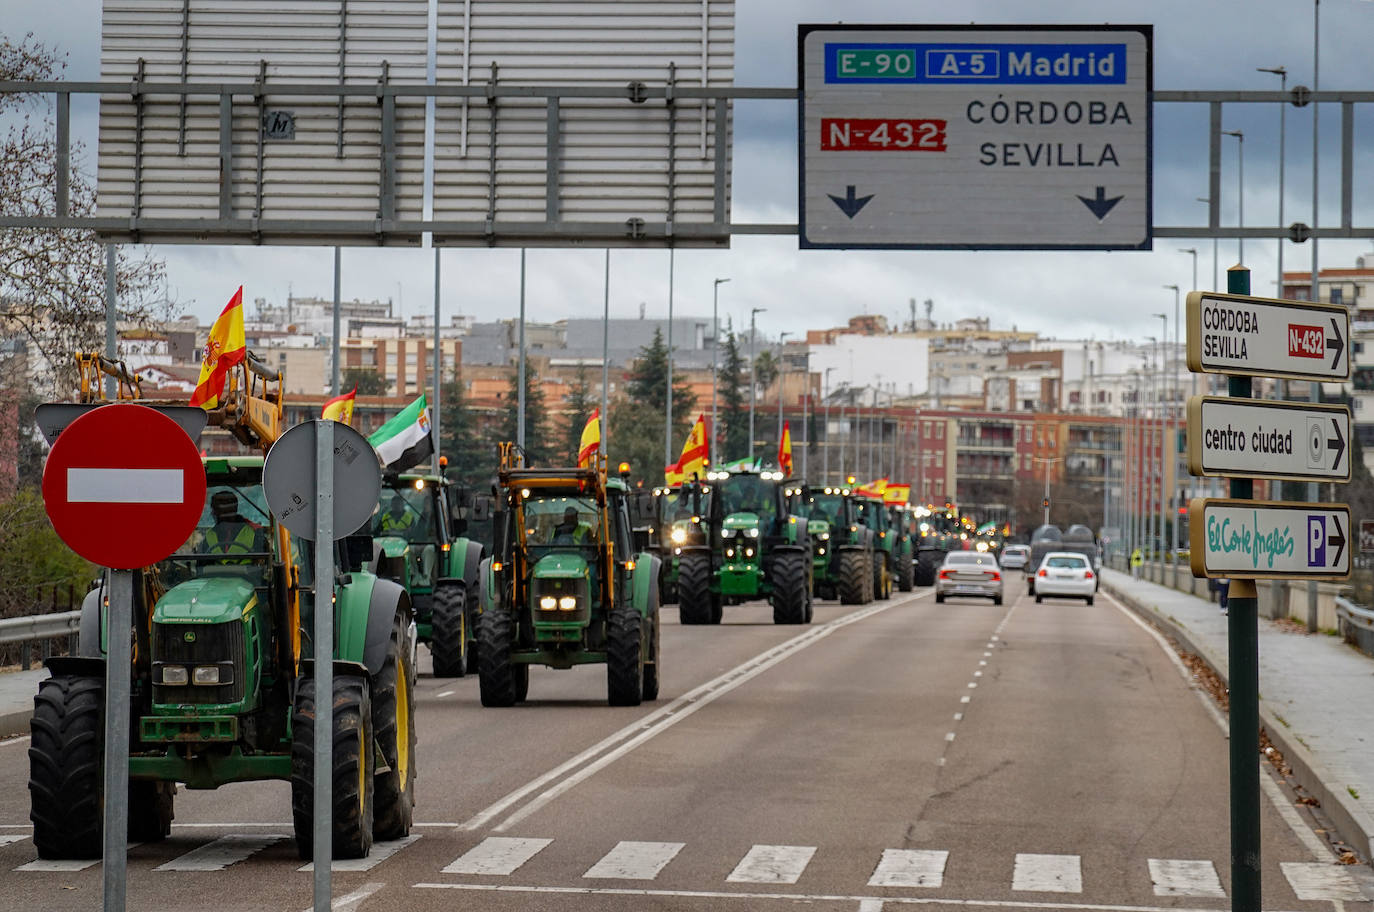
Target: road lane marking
x,y
772,864
958,717
949,736
1179,877
965,699
635,860
1047,873
381,851
22,739
65,865
10,838
1321,881
796,898
223,852
497,855
353,900
446,693
576,770
910,868
972,684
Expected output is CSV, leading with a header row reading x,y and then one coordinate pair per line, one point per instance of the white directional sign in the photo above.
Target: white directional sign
x,y
970,137
1238,334
1249,539
1261,439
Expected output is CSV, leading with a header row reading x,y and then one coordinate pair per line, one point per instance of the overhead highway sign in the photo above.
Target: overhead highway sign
x,y
1253,438
973,137
1265,337
1251,539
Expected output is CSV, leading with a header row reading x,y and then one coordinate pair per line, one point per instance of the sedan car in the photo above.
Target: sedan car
x,y
1015,557
972,573
1063,573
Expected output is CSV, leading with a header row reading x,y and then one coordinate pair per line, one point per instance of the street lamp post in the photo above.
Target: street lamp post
x,y
1240,154
1192,287
1215,258
1172,376
715,360
781,337
1282,73
825,438
753,386
1151,516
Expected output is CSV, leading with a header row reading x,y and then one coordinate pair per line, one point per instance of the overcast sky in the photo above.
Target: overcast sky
x,y
1212,44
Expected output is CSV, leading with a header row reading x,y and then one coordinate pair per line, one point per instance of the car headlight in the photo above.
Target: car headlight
x,y
174,675
204,675
678,536
752,533
548,603
567,603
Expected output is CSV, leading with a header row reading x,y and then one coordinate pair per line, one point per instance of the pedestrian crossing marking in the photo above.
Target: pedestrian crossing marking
x,y
223,852
910,868
1321,881
1179,877
497,855
1047,874
9,838
64,865
381,851
635,860
772,864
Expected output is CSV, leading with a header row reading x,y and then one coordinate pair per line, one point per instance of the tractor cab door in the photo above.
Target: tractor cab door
x,y
622,541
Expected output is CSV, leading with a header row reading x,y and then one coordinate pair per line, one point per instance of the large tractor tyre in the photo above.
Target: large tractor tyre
x,y
624,656
352,775
649,687
694,602
870,569
882,576
66,752
789,588
906,572
520,675
448,641
150,809
393,719
926,564
496,676
851,577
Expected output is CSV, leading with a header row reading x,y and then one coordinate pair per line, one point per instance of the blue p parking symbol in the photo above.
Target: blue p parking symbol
x,y
1316,541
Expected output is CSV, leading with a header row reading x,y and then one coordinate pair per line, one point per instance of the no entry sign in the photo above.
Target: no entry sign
x,y
124,486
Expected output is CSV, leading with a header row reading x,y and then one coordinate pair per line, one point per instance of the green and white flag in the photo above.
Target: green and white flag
x,y
406,440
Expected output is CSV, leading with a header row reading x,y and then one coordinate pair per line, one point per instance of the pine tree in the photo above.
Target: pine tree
x,y
648,384
636,437
538,450
734,412
578,408
471,458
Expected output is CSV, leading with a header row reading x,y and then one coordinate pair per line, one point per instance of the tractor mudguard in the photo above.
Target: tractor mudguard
x,y
487,592
91,636
77,666
366,612
341,667
467,562
644,583
794,530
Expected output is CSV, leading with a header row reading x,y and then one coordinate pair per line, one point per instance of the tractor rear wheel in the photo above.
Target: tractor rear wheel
x,y
789,588
496,676
851,578
882,576
926,563
870,590
906,572
393,719
694,603
150,809
624,656
448,641
66,753
649,688
353,767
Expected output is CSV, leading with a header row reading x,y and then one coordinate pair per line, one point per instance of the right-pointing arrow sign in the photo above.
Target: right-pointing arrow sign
x,y
1336,345
1250,539
1253,438
1338,444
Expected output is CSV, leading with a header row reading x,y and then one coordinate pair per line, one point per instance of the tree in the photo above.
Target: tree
x,y
578,408
538,448
369,381
734,411
471,456
32,557
765,369
636,437
52,283
648,383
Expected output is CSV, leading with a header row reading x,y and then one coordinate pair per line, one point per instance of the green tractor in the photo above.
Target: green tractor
x,y
842,547
902,546
417,539
937,532
663,523
750,547
222,690
564,585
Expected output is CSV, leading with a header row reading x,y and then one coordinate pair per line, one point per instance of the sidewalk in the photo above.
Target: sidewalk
x,y
1316,698
17,689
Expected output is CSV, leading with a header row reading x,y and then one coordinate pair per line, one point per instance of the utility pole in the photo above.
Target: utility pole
x,y
753,385
715,362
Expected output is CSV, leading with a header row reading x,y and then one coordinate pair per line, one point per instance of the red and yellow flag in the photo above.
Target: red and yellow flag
x,y
785,449
897,494
224,348
590,443
873,489
696,456
340,408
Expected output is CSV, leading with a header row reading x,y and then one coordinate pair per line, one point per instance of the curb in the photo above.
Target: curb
x,y
15,723
1350,821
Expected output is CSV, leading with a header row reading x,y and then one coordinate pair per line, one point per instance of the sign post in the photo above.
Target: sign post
x,y
124,488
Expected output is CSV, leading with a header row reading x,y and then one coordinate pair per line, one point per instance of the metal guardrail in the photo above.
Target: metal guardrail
x,y
39,627
1356,616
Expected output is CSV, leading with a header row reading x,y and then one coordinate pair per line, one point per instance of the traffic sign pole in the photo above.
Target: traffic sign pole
x,y
1242,649
324,662
119,618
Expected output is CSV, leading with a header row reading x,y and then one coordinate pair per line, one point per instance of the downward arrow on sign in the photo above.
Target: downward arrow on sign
x,y
1100,205
850,204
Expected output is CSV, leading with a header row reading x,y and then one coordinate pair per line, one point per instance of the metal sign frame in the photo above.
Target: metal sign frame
x,y
1336,413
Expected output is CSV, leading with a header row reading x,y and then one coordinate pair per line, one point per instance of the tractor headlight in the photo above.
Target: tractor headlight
x,y
752,533
820,551
174,675
567,603
727,533
729,552
548,603
825,536
678,536
204,675
748,552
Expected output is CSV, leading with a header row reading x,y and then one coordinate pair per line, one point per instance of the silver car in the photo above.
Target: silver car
x,y
1015,557
971,573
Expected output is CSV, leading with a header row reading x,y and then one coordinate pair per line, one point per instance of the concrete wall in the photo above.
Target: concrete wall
x,y
1277,598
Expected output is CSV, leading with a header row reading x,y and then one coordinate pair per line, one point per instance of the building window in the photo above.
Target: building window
x,y
939,460
939,430
1337,295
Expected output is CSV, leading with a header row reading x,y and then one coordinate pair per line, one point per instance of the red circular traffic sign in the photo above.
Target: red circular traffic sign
x,y
124,486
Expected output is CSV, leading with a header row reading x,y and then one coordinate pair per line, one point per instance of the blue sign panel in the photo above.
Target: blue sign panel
x,y
968,63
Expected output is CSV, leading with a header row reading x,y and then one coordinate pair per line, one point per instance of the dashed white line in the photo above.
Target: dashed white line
x,y
1047,873
977,674
635,860
972,684
351,902
958,717
497,855
223,852
772,864
1179,877
910,868
446,693
983,662
965,699
949,736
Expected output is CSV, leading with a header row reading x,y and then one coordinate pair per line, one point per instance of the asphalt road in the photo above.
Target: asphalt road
x,y
958,756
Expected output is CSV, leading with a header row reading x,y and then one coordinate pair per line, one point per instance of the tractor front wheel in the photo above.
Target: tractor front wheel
x,y
851,577
789,588
624,656
694,603
150,809
393,719
448,643
926,564
352,774
649,689
906,572
66,753
497,677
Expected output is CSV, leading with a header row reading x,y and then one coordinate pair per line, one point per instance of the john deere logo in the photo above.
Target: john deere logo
x,y
189,636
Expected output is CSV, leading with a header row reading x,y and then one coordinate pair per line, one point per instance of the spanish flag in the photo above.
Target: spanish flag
x,y
223,349
897,494
696,455
873,489
785,449
590,443
340,408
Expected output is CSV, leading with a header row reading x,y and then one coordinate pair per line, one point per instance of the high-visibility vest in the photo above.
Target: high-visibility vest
x,y
222,538
391,523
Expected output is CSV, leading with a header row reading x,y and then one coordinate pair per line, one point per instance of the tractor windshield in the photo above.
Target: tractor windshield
x,y
872,514
561,521
746,493
405,511
827,507
232,538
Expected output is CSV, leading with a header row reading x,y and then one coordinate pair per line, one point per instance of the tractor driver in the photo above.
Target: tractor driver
x,y
397,520
571,530
231,533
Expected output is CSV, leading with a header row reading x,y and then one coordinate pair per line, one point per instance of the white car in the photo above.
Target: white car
x,y
1063,573
973,573
1015,557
